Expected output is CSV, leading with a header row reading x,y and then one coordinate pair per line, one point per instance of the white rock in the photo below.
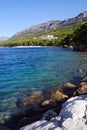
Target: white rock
x,y
74,108
70,124
43,125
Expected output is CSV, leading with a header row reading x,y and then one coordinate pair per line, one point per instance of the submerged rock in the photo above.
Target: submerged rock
x,y
62,92
36,104
57,95
33,99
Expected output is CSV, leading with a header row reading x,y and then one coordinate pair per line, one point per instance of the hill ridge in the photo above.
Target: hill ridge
x,y
82,17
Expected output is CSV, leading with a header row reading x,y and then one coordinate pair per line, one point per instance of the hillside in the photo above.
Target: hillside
x,y
44,26
53,24
59,36
3,38
35,38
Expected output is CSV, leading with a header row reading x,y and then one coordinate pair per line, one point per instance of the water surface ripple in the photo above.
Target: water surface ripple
x,y
25,70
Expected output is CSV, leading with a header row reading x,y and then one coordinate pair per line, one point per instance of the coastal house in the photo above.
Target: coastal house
x,y
49,37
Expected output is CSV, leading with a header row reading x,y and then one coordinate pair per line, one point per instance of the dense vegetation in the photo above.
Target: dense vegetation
x,y
66,36
80,35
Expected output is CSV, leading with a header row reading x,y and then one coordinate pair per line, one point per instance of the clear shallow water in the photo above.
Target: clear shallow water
x,y
25,70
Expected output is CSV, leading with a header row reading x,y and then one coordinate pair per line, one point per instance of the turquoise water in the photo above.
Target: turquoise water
x,y
26,70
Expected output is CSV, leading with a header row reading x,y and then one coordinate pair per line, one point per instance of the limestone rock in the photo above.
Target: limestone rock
x,y
74,107
70,124
43,125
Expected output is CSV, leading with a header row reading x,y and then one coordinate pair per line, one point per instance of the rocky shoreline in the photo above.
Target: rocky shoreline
x,y
73,116
35,105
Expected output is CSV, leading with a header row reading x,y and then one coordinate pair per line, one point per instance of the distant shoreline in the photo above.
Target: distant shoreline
x,y
25,46
70,47
20,46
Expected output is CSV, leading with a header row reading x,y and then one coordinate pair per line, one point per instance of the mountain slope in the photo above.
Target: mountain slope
x,y
82,17
39,27
3,38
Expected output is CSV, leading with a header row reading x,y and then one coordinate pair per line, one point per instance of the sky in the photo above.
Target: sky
x,y
16,15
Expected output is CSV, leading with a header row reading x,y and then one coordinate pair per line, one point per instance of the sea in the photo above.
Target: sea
x,y
24,70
